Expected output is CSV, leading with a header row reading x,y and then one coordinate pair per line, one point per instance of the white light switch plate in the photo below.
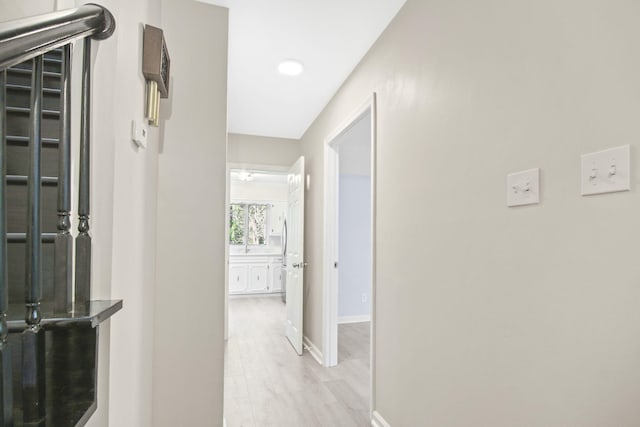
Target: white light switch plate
x,y
523,188
607,171
139,132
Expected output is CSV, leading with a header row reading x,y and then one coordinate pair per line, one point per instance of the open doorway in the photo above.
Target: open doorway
x,y
349,247
354,224
265,247
257,205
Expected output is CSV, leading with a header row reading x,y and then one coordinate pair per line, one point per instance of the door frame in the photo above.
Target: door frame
x,y
227,203
330,242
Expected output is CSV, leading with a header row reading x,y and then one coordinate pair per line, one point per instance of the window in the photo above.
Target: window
x,y
248,224
237,224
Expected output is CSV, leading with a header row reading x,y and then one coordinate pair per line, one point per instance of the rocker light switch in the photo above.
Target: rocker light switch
x,y
607,171
523,188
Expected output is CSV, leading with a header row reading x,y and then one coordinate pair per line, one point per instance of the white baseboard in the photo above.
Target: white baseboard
x,y
224,422
354,319
313,350
378,421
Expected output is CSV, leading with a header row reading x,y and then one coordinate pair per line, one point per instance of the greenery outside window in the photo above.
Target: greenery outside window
x,y
248,224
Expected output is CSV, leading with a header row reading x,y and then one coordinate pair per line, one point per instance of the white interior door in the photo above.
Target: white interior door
x,y
295,255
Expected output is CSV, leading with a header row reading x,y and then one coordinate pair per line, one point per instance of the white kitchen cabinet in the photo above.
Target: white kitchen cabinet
x,y
258,278
237,279
257,274
276,277
276,218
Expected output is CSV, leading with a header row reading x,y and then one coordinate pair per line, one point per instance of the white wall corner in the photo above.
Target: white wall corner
x,y
378,421
313,350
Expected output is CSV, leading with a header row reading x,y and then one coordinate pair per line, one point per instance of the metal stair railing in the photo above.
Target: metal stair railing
x,y
23,40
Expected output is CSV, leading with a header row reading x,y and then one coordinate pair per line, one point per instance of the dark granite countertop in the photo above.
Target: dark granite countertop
x,y
93,312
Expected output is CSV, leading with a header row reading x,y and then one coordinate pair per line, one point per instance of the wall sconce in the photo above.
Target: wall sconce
x,y
155,67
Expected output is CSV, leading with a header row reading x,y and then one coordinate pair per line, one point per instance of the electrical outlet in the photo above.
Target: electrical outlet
x,y
364,298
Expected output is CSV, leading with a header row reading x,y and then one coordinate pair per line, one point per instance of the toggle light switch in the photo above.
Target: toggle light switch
x,y
607,171
523,188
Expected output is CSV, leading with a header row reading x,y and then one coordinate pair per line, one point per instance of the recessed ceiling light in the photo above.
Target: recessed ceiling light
x,y
290,67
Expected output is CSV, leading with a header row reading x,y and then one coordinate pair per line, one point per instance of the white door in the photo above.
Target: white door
x,y
295,255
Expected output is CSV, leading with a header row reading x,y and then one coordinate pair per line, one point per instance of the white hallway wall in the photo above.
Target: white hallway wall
x,y
15,10
259,191
260,150
191,241
124,179
119,89
125,184
494,316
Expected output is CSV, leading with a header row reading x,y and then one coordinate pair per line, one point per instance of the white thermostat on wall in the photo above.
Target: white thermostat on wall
x,y
523,188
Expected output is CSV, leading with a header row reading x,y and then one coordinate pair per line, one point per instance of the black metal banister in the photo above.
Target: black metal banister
x,y
24,39
64,242
83,240
4,285
34,227
32,339
6,395
51,349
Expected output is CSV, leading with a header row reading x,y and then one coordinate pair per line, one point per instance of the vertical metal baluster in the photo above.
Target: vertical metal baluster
x,y
34,232
83,241
64,241
33,338
6,392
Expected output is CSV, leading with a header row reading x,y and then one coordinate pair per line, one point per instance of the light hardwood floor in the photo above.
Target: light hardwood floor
x,y
268,384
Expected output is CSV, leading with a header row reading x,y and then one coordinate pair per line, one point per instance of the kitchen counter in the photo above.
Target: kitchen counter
x,y
255,254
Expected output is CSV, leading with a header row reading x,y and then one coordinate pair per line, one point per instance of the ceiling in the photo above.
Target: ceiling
x,y
329,37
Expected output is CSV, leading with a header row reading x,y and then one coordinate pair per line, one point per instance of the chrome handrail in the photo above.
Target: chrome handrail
x,y
27,38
